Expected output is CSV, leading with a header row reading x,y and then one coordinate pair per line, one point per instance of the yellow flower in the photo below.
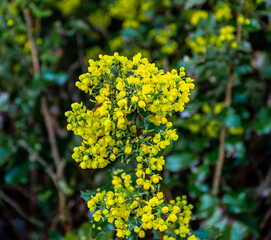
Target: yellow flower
x,y
10,22
117,129
192,237
141,104
128,149
165,209
223,11
141,234
197,15
134,99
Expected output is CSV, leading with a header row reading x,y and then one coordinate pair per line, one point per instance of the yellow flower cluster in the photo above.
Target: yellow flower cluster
x,y
67,7
163,37
116,43
225,36
100,18
223,12
204,124
129,96
200,43
131,209
129,122
197,15
132,12
242,20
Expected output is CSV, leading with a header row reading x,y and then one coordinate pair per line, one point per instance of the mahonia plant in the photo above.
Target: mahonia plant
x,y
130,123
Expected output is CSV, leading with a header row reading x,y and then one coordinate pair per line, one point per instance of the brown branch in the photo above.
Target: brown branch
x,y
220,161
165,64
14,205
266,217
165,58
161,235
35,157
222,138
267,4
34,51
221,155
14,229
81,56
58,176
50,130
239,27
63,211
36,70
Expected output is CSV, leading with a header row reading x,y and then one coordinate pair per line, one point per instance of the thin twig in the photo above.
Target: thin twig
x,y
63,211
266,217
15,230
79,41
165,64
33,49
228,99
221,154
165,58
161,235
14,205
267,4
35,157
50,131
220,161
36,71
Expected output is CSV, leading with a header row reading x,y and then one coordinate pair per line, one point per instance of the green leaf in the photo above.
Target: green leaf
x,y
3,158
208,232
130,32
39,12
80,26
263,124
70,236
179,122
238,231
85,231
231,119
108,235
199,145
65,188
55,77
251,221
4,101
254,25
134,236
178,162
265,12
215,218
17,174
235,146
87,194
207,205
191,3
236,203
45,195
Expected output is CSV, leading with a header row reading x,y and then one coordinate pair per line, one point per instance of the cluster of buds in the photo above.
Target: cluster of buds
x,y
130,123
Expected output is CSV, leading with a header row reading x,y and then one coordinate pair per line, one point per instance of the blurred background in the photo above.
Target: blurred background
x,y
222,159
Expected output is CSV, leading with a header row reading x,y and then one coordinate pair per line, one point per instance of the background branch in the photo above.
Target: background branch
x,y
58,176
222,138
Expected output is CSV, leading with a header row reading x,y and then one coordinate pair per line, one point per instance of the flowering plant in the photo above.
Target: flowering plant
x,y
129,122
